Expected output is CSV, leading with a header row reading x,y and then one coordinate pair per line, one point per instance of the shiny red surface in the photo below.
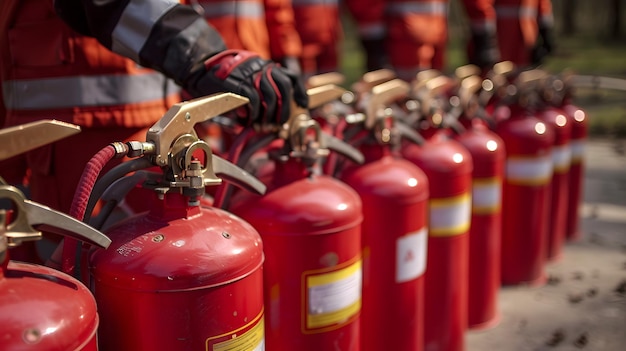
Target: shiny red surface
x,y
395,203
525,208
488,156
44,309
559,184
308,223
580,131
177,277
447,274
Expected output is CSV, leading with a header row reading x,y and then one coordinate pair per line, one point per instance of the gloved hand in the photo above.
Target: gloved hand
x,y
292,64
375,54
484,51
544,45
269,87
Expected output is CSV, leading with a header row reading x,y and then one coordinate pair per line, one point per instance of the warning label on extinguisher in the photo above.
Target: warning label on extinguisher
x,y
333,298
411,255
250,337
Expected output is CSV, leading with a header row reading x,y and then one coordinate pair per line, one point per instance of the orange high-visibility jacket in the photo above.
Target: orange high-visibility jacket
x,y
517,29
319,25
263,26
416,31
481,15
50,71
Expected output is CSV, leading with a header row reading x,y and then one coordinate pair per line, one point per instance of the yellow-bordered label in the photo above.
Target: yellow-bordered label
x,y
332,297
250,337
561,158
578,150
450,216
529,170
486,195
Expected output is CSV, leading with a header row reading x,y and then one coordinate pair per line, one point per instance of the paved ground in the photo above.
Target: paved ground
x,y
583,307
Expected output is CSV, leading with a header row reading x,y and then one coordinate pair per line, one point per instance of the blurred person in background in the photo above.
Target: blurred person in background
x,y
319,25
410,36
266,27
524,30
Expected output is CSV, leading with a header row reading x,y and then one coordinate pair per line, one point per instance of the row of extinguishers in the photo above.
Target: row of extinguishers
x,y
382,218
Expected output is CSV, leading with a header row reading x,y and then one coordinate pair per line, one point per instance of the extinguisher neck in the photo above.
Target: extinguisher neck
x,y
292,170
173,206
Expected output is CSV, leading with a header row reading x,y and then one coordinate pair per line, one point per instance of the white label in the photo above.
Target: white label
x,y
578,149
450,216
486,195
533,170
561,158
335,296
411,255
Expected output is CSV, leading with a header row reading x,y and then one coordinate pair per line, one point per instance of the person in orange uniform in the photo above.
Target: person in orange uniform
x,y
266,27
519,26
482,49
319,25
414,32
544,45
114,67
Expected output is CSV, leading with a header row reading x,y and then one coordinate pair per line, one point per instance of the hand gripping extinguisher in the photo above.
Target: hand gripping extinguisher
x,y
488,155
182,276
526,190
579,121
448,166
549,89
41,308
310,224
394,193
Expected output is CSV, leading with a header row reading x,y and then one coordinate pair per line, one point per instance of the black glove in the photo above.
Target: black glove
x,y
292,64
269,87
544,45
375,54
484,51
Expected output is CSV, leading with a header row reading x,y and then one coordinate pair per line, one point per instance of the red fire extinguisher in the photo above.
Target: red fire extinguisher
x,y
526,191
183,276
394,193
448,166
549,89
579,121
41,308
488,155
310,224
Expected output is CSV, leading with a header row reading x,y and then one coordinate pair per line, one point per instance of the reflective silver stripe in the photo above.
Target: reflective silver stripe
x,y
483,26
233,8
512,11
297,3
430,8
547,20
372,31
83,91
134,26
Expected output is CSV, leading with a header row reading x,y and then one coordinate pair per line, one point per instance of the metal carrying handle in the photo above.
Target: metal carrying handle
x,y
19,139
29,214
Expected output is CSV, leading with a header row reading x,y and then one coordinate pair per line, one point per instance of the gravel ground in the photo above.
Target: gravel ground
x,y
583,304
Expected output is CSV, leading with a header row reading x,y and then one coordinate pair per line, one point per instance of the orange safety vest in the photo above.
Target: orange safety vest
x,y
50,71
418,35
416,31
263,26
319,25
517,29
